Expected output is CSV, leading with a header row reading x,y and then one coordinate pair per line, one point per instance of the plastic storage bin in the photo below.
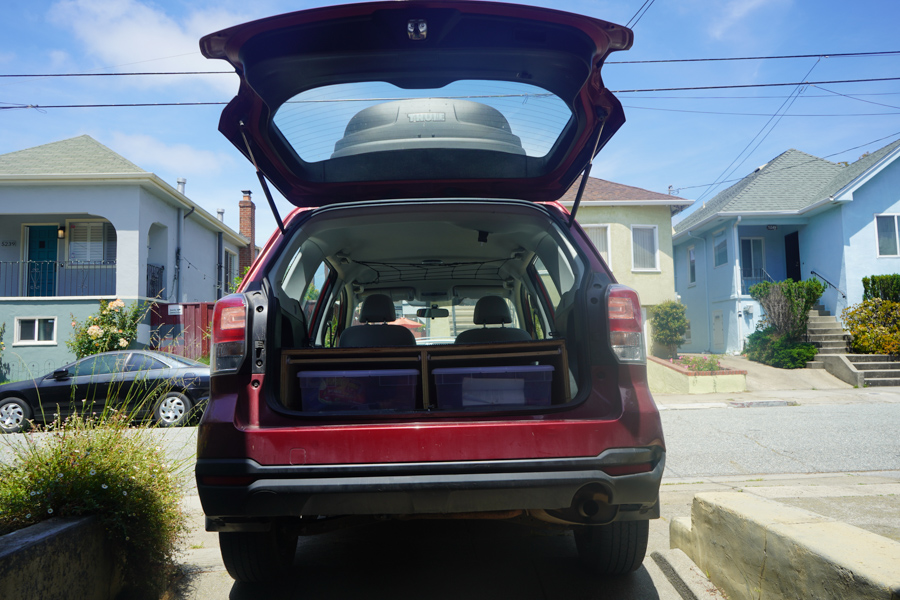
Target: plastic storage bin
x,y
385,389
493,386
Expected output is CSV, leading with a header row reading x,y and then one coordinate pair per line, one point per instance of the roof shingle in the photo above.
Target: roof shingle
x,y
82,155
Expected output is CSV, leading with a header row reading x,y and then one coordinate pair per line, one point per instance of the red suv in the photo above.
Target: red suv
x,y
428,332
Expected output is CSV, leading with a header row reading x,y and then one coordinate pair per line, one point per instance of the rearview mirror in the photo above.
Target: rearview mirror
x,y
433,313
61,374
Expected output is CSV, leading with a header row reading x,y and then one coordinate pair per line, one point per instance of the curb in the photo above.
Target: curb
x,y
756,548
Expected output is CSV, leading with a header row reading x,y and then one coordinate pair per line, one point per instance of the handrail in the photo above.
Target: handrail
x,y
829,284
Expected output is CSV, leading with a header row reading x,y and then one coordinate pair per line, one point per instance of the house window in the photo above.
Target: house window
x,y
752,258
886,227
687,333
644,248
35,331
692,266
599,235
92,242
720,249
231,271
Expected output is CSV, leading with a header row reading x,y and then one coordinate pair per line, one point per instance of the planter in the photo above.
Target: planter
x,y
668,378
59,558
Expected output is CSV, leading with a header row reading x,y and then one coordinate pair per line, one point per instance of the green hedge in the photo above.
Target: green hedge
x,y
770,348
886,287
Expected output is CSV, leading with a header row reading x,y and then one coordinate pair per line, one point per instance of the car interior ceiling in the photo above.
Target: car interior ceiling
x,y
430,252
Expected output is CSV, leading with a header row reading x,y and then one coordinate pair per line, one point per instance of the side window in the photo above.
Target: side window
x,y
102,364
142,362
547,281
313,289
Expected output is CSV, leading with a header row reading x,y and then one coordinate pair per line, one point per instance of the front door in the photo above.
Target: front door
x,y
41,265
792,256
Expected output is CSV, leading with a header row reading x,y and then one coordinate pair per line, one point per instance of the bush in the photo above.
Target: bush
x,y
885,287
669,325
787,304
768,347
874,326
100,467
702,363
114,327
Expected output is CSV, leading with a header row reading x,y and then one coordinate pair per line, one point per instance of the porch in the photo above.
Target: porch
x,y
44,278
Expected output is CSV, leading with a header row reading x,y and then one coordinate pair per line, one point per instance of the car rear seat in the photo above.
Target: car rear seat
x,y
492,310
377,308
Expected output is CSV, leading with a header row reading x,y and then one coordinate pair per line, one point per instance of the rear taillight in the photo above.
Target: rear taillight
x,y
229,334
625,330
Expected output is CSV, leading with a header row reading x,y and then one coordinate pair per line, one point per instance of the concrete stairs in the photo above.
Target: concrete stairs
x,y
862,370
826,333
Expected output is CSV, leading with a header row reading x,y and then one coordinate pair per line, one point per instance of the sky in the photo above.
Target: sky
x,y
684,139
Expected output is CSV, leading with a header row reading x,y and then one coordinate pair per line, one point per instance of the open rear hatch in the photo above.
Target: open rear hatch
x,y
420,99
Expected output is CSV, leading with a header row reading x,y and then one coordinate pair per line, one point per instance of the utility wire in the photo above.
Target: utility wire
x,y
634,91
619,62
740,114
636,18
676,191
762,132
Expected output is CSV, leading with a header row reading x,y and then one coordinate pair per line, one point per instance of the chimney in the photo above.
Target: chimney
x,y
247,229
220,214
181,181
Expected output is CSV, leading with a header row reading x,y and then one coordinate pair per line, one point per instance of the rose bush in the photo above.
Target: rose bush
x,y
113,327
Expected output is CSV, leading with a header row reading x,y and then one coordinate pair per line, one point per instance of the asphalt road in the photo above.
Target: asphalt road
x,y
824,438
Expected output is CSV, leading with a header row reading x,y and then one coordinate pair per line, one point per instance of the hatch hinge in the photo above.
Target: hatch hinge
x,y
601,114
262,180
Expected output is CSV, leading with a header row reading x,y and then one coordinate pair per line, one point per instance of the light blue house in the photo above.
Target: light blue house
x,y
795,217
79,224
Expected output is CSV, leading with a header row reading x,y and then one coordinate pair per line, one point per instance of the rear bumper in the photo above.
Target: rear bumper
x,y
259,493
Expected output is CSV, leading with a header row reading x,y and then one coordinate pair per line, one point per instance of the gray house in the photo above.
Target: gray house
x,y
796,217
80,223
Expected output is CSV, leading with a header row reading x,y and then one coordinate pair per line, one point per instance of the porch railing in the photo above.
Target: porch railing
x,y
156,281
43,278
750,277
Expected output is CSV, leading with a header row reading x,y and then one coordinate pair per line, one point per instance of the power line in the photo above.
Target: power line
x,y
619,62
781,109
689,187
636,18
721,59
740,114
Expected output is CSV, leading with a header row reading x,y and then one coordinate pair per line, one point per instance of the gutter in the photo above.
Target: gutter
x,y
737,274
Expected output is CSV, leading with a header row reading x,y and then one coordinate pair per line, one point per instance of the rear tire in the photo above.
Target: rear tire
x,y
614,549
258,557
173,410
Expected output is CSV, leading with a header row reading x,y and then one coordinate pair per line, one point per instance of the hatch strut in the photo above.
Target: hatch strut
x,y
587,170
262,180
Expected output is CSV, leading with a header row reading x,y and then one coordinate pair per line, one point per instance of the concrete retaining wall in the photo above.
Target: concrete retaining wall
x,y
664,377
59,558
754,548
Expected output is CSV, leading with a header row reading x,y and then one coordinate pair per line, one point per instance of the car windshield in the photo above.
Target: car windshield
x,y
331,121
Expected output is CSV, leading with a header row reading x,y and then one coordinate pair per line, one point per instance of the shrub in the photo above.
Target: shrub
x,y
787,304
874,326
885,287
669,325
100,467
114,327
768,347
702,363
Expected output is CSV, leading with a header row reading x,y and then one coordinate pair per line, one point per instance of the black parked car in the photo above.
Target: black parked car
x,y
122,380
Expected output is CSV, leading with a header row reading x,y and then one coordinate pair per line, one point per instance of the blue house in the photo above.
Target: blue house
x,y
798,216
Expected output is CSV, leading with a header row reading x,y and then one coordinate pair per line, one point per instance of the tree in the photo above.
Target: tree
x,y
669,325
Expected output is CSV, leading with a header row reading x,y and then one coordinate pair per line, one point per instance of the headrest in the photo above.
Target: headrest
x,y
377,308
491,310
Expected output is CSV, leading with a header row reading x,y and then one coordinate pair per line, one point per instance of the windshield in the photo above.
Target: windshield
x,y
333,121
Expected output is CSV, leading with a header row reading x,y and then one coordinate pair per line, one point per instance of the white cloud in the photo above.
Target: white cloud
x,y
734,12
126,33
155,155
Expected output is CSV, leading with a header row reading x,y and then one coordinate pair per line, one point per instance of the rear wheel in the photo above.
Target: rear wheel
x,y
258,556
614,549
14,415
